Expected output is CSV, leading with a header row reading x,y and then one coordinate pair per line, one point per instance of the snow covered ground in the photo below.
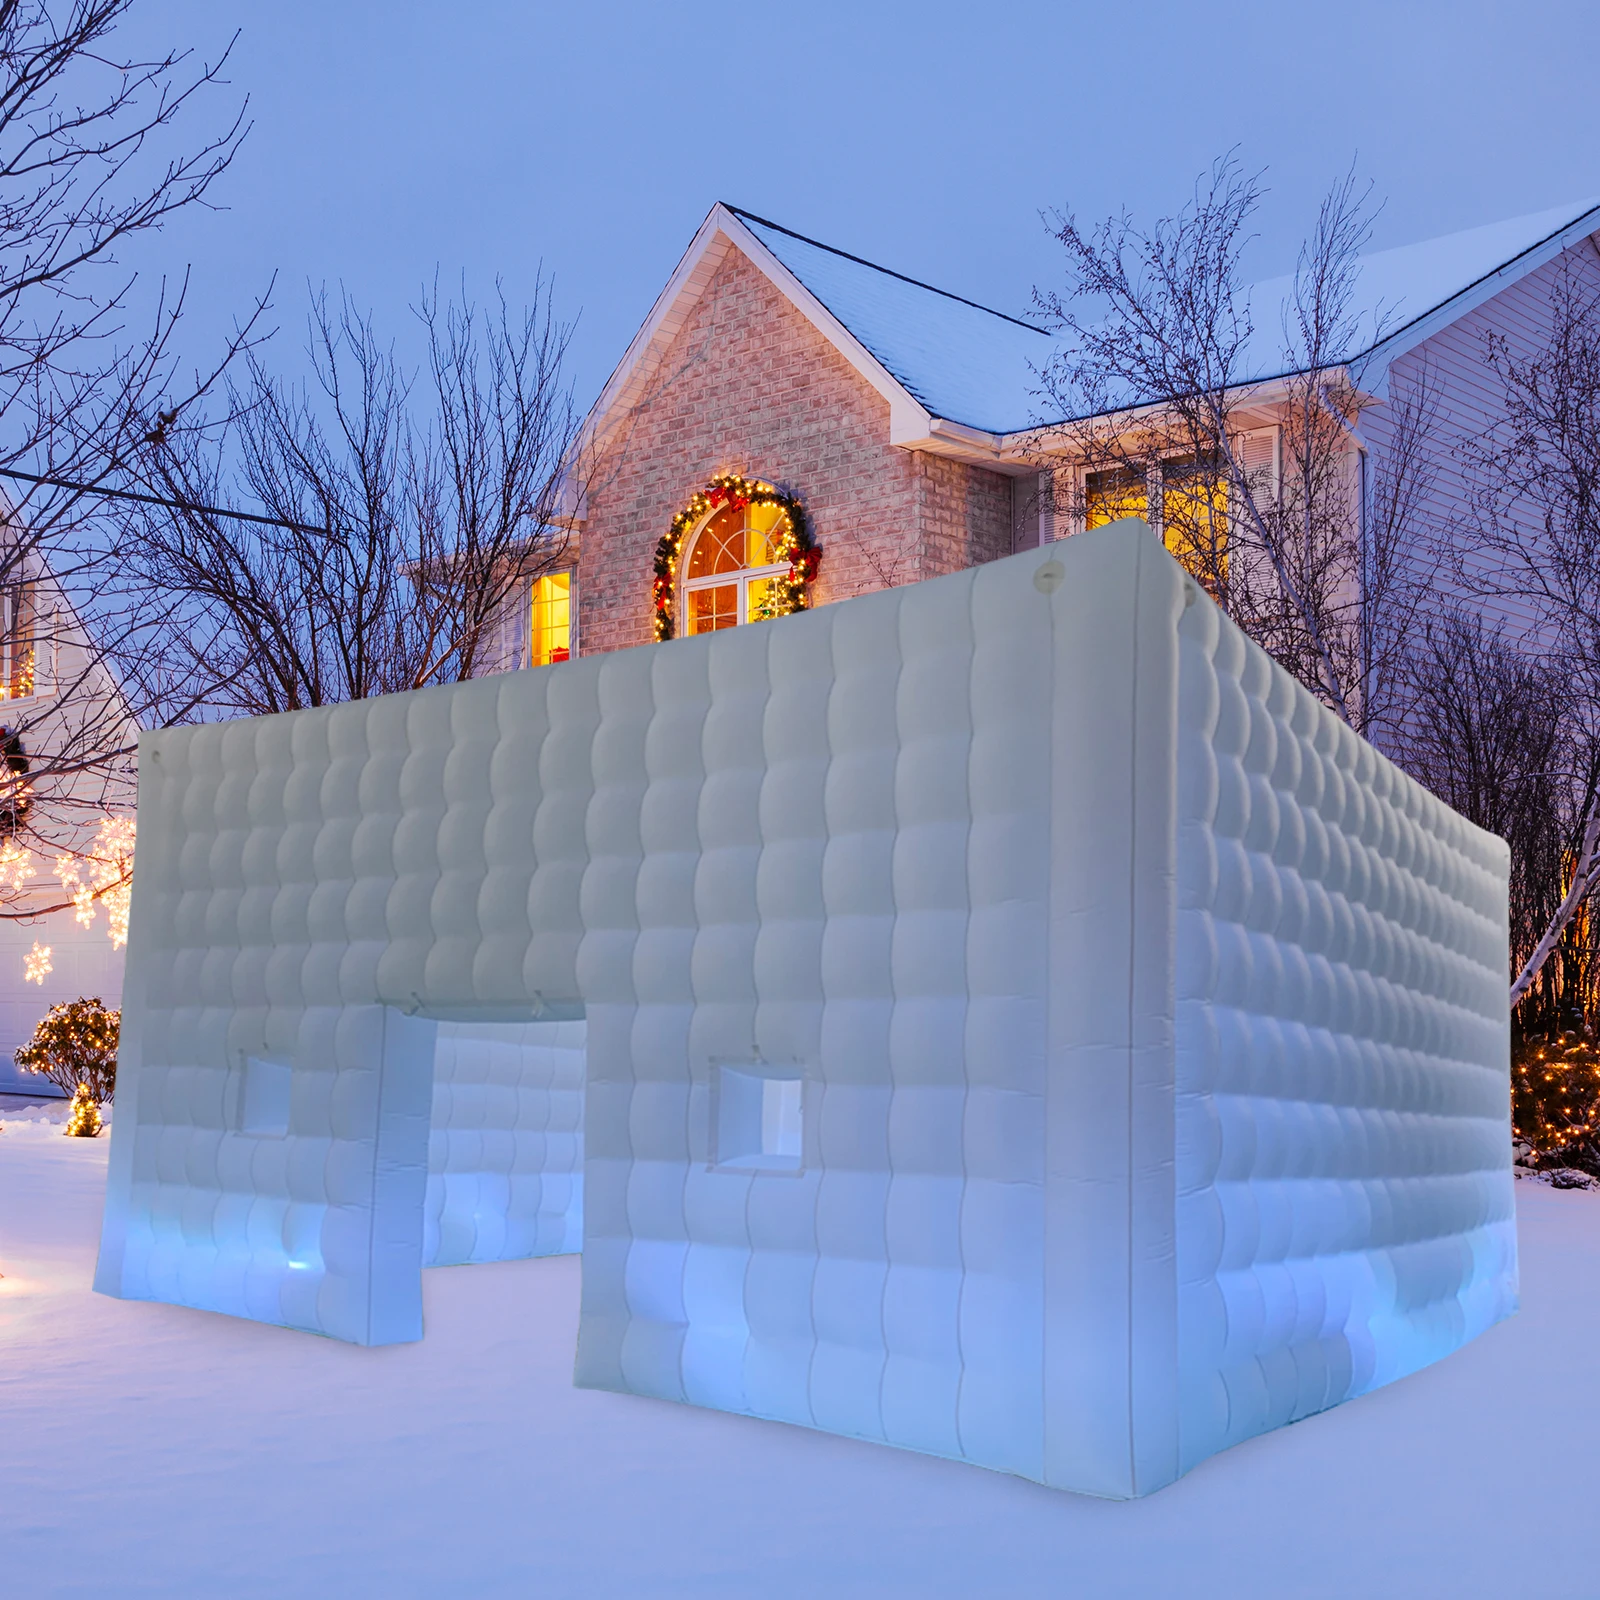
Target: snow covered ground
x,y
150,1450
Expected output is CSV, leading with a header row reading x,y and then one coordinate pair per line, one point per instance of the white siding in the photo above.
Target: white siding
x,y
1469,400
84,963
78,705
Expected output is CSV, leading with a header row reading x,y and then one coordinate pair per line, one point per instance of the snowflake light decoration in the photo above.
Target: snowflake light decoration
x,y
16,865
110,877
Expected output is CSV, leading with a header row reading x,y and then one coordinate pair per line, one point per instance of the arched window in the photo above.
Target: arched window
x,y
728,576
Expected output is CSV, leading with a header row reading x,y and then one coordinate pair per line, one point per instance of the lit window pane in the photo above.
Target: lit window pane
x,y
761,597
764,525
550,631
720,546
711,609
733,543
1110,496
1194,519
19,645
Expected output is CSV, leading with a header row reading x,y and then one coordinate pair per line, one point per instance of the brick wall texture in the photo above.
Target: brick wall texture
x,y
750,386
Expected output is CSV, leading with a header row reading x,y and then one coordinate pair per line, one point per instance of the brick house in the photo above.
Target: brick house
x,y
778,358
906,420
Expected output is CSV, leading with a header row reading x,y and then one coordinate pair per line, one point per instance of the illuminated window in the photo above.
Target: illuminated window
x,y
550,621
1193,516
729,573
18,642
1110,496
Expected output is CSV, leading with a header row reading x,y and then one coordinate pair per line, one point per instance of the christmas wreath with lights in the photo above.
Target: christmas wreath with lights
x,y
791,540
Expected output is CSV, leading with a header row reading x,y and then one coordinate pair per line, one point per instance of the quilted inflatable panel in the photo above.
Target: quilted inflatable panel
x,y
310,886
837,902
1344,1187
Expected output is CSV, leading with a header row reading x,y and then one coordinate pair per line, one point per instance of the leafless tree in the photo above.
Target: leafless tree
x,y
1532,538
1328,562
1496,733
98,148
1161,375
413,513
1534,535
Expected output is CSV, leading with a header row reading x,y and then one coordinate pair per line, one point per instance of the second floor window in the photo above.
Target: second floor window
x,y
729,573
19,642
1114,494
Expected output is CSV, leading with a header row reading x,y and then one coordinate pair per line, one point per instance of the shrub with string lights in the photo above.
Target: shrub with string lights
x,y
75,1047
1555,1099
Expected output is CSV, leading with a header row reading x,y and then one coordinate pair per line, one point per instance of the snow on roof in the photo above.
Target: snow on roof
x,y
962,361
973,365
1397,288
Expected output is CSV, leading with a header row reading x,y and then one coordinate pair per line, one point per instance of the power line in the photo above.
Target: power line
x,y
158,500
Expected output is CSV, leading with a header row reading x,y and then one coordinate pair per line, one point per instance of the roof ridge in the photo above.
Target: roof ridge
x,y
888,272
1585,207
1483,277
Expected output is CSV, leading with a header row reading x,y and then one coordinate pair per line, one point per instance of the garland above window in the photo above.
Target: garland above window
x,y
791,540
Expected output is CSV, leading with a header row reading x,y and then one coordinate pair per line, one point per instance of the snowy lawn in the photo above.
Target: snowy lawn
x,y
150,1450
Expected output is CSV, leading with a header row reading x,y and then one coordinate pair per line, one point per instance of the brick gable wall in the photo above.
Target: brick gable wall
x,y
965,515
749,385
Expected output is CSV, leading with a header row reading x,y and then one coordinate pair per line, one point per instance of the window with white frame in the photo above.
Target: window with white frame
x,y
729,573
1184,498
1112,494
19,641
550,619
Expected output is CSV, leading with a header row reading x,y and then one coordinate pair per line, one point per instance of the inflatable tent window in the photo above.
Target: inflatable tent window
x,y
1017,1022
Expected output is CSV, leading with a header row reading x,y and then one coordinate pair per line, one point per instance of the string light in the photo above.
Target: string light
x,y
110,877
84,1123
792,541
1556,1100
21,686
16,865
81,893
16,793
101,877
75,1047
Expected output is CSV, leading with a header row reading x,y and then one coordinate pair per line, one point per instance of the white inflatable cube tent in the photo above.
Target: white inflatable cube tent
x,y
1012,1020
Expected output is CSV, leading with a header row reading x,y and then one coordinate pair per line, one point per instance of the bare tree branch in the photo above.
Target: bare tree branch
x,y
411,514
1160,379
1586,873
98,147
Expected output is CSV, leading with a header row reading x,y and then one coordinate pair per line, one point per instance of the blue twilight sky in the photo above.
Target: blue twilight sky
x,y
482,136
